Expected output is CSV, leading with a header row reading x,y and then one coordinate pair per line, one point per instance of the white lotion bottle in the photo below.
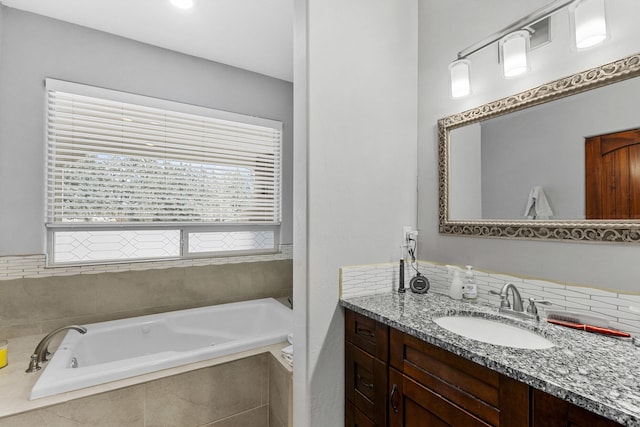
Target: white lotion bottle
x,y
455,290
470,288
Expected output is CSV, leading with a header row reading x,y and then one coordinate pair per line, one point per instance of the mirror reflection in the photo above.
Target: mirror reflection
x,y
574,158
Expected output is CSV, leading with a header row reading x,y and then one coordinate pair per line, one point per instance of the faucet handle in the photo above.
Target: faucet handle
x,y
504,302
532,308
34,366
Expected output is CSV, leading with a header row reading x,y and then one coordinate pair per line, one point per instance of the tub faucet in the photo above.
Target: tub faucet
x,y
41,352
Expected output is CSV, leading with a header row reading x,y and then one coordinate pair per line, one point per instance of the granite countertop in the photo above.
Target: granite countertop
x,y
596,372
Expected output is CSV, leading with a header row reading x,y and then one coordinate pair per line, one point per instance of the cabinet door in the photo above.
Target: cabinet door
x,y
366,383
355,418
551,411
413,405
488,395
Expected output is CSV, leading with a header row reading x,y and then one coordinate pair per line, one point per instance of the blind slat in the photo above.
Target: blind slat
x,y
111,161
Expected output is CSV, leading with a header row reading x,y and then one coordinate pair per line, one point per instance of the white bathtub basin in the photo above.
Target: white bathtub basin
x,y
493,332
118,349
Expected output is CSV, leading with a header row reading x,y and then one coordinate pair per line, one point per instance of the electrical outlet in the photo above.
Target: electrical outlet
x,y
409,240
406,234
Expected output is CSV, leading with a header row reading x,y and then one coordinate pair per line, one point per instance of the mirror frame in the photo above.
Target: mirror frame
x,y
550,230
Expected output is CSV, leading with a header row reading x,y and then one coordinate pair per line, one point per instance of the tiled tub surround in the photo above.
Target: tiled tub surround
x,y
38,305
250,388
614,306
595,372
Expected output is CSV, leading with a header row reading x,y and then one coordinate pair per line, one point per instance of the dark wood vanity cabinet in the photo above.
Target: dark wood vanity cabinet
x,y
394,379
366,367
431,386
550,411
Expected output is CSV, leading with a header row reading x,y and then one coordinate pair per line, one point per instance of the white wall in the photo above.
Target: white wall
x,y
456,24
34,47
360,109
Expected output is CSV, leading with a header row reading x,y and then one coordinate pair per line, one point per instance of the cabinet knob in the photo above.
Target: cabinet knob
x,y
364,382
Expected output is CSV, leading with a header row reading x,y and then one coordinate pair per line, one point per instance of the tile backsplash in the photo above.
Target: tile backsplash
x,y
622,310
34,266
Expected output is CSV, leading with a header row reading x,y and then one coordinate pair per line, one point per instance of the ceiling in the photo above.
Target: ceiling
x,y
255,35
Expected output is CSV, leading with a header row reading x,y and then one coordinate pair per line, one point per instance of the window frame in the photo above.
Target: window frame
x,y
184,228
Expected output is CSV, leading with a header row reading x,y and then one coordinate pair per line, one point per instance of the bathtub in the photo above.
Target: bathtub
x,y
119,349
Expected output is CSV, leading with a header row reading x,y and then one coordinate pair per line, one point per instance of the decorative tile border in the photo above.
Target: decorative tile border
x,y
33,266
621,309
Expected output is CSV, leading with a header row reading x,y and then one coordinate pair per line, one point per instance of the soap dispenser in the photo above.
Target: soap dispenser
x,y
469,287
455,290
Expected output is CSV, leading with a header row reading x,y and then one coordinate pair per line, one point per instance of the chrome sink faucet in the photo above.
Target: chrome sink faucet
x,y
518,308
41,353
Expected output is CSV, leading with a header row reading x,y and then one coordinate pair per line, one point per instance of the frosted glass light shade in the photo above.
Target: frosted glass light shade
x,y
182,4
589,23
514,51
459,76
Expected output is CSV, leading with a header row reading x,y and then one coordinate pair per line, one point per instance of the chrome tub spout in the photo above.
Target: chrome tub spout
x,y
41,353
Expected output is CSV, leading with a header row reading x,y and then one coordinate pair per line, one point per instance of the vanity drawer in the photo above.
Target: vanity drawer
x,y
486,394
368,334
366,383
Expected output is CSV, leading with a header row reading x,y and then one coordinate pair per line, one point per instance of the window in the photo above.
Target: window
x,y
131,177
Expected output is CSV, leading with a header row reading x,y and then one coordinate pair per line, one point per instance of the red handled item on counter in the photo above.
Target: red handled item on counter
x,y
590,328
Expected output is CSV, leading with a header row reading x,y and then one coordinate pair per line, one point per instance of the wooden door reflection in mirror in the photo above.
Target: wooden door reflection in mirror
x,y
613,175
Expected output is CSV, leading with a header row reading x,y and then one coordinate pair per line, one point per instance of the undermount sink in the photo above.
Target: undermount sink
x,y
493,332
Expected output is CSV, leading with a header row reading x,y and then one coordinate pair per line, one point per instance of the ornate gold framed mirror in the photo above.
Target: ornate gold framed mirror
x,y
502,163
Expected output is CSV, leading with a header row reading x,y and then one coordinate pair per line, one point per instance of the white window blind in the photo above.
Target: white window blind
x,y
121,159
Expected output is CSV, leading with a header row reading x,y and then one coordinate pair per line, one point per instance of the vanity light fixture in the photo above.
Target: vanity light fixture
x,y
182,4
589,26
589,23
514,53
459,75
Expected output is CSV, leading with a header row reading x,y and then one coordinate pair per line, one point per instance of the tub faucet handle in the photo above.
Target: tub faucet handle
x,y
34,366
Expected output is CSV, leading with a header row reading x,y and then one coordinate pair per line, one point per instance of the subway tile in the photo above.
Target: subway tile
x,y
616,314
507,279
626,326
574,305
33,266
568,294
541,293
629,299
592,291
593,302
